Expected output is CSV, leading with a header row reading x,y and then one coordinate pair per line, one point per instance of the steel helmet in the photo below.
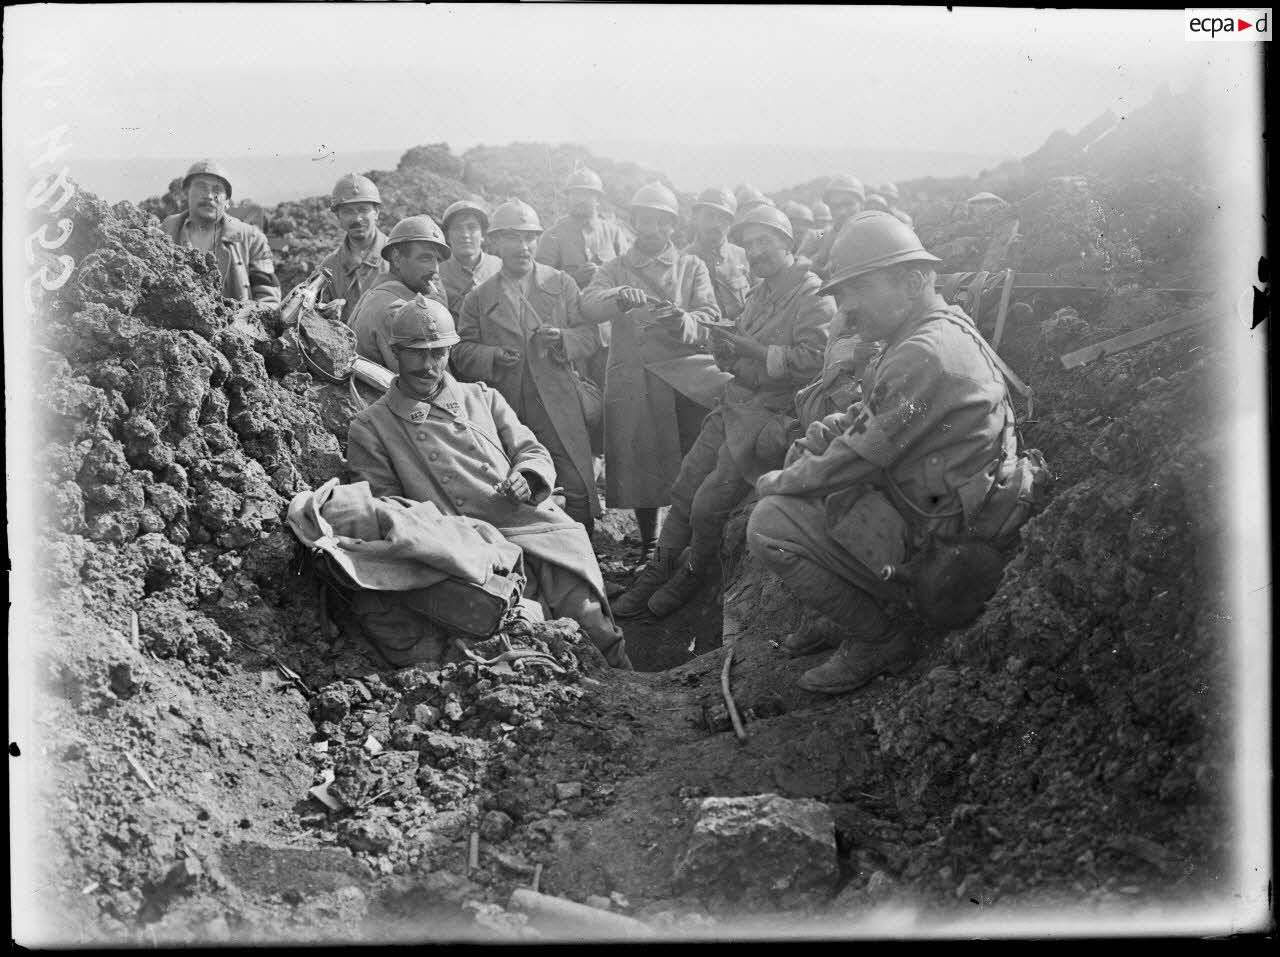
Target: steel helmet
x,y
871,241
798,212
889,191
821,214
354,188
769,216
746,192
584,177
416,229
207,167
423,323
876,201
465,206
844,183
655,196
716,197
515,215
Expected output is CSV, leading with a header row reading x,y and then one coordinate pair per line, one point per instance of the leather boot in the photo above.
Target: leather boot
x,y
660,568
816,633
857,661
680,587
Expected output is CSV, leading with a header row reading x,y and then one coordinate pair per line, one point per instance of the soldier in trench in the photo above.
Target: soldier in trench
x,y
929,453
460,446
243,255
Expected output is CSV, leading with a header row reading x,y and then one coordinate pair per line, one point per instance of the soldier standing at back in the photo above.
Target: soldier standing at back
x,y
468,265
521,332
845,196
582,241
414,251
244,258
356,264
712,216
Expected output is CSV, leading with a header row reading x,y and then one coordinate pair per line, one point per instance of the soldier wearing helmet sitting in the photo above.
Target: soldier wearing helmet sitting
x,y
460,446
775,348
919,457
244,258
357,263
414,251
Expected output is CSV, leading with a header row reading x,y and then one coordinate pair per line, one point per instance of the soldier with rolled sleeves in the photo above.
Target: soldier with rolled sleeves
x,y
925,455
414,251
243,255
713,214
357,263
845,196
522,332
582,241
460,446
468,265
775,348
659,364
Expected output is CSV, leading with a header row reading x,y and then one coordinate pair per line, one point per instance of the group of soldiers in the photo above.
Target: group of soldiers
x,y
810,361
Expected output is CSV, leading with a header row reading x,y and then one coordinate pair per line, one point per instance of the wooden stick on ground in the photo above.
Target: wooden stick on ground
x,y
473,858
738,729
537,876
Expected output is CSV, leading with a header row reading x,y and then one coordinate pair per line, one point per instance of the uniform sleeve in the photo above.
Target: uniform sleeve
x,y
801,362
367,460
887,423
580,338
700,301
472,358
527,454
597,303
547,251
263,284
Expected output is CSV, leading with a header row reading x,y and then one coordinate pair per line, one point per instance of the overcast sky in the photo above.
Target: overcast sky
x,y
188,80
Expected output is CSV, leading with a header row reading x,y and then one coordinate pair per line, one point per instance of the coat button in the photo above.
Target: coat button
x,y
458,502
444,479
484,467
433,456
422,436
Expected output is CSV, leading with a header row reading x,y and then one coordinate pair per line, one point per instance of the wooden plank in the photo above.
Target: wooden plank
x,y
1003,312
1130,339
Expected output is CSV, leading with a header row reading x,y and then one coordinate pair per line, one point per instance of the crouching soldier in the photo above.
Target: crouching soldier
x,y
928,456
244,258
458,445
775,348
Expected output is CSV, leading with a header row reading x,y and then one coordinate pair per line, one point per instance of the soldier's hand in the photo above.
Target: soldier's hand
x,y
516,488
629,297
549,334
331,309
508,357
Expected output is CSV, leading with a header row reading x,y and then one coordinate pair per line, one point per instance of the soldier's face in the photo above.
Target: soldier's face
x,y
207,198
359,220
767,250
515,249
654,229
843,205
877,303
711,225
464,235
421,370
415,264
583,203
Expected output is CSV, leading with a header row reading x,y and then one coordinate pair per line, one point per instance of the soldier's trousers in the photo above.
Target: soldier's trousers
x,y
704,493
789,534
566,595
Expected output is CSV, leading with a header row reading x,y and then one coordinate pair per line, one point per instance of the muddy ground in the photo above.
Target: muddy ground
x,y
1068,752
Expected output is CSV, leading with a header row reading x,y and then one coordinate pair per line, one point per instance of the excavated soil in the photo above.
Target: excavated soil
x,y
1068,749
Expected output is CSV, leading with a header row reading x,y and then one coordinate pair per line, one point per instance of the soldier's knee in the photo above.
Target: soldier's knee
x,y
764,529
